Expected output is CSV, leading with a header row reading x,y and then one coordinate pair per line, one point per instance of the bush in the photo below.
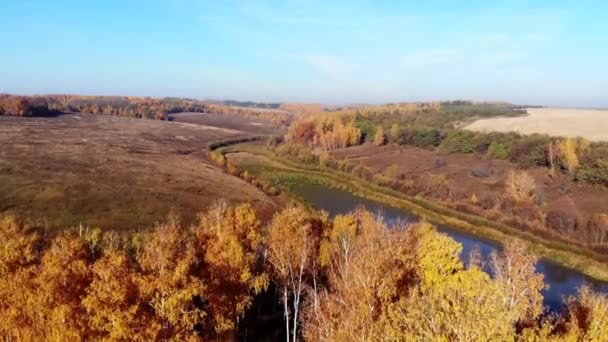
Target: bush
x,y
302,132
531,150
498,150
596,173
597,229
482,172
563,216
594,164
381,179
421,137
460,141
520,186
324,159
392,171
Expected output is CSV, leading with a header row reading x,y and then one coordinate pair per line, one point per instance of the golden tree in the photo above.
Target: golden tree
x,y
292,251
168,283
379,138
229,240
62,281
368,266
587,315
567,149
515,273
18,267
395,132
115,310
520,186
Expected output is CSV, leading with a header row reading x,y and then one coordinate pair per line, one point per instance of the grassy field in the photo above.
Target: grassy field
x,y
281,173
225,121
587,123
112,172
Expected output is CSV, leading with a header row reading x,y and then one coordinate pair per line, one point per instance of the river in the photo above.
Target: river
x,y
561,281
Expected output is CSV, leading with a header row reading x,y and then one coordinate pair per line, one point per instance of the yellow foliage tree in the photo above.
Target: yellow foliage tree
x,y
379,137
588,314
520,186
168,283
395,132
292,253
515,273
62,281
228,240
114,308
568,154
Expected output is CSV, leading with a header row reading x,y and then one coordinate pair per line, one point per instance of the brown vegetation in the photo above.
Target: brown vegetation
x,y
112,172
518,198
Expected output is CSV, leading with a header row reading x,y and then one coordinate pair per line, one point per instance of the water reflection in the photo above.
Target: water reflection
x,y
561,281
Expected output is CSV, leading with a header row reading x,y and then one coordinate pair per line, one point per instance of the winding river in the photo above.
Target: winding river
x,y
561,281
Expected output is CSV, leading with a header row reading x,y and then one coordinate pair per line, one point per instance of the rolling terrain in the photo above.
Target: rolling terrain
x,y
112,172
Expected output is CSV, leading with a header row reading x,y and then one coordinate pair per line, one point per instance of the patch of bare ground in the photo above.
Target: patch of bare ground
x,y
112,172
470,174
229,122
587,123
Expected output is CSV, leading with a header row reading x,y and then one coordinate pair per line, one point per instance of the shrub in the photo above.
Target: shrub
x,y
597,229
302,132
392,171
596,173
487,200
520,186
379,138
563,216
594,164
421,137
381,179
324,159
482,172
498,150
460,141
531,150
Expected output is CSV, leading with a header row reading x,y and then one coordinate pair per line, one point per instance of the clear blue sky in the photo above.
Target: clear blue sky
x,y
541,52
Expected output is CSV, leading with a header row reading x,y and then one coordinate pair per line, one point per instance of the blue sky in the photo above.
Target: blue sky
x,y
534,52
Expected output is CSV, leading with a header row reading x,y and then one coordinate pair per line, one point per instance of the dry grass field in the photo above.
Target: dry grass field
x,y
587,123
225,121
111,172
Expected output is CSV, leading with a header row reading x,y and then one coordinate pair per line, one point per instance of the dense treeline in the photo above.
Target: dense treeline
x,y
136,107
436,126
341,279
24,106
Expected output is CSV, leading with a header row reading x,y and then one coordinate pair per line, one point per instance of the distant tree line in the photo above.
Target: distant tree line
x,y
135,107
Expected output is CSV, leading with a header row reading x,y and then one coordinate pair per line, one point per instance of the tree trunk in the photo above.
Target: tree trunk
x,y
286,309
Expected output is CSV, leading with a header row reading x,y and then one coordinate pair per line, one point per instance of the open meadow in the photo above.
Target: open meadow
x,y
112,172
587,123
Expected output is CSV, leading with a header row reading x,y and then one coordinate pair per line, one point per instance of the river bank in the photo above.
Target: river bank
x,y
264,165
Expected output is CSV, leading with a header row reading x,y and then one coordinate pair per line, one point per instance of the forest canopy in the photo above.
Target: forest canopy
x,y
346,278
